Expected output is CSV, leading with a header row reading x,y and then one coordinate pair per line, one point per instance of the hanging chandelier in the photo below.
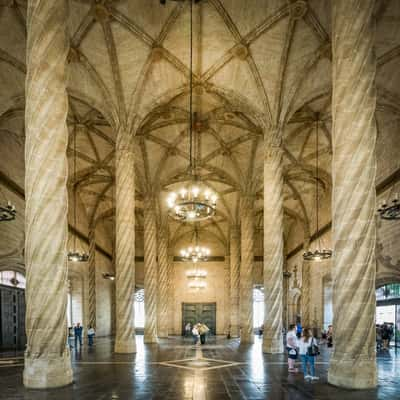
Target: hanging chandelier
x,y
7,212
195,253
75,255
197,284
390,211
194,201
318,254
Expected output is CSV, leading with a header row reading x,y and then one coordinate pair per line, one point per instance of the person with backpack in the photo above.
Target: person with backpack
x,y
308,350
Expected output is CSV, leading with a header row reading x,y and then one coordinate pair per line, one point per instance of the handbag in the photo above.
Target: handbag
x,y
313,349
292,352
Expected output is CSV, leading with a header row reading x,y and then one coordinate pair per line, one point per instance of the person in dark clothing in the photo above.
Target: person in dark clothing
x,y
78,334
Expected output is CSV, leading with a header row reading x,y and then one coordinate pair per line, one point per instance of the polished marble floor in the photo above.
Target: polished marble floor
x,y
176,369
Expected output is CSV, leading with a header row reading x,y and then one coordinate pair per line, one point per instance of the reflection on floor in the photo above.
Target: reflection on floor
x,y
176,369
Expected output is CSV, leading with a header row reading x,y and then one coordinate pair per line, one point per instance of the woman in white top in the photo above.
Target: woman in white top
x,y
291,347
308,350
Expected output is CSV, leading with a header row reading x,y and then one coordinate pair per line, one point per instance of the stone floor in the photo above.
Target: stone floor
x,y
175,369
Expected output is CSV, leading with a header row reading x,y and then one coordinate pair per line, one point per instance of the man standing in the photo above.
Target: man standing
x,y
78,334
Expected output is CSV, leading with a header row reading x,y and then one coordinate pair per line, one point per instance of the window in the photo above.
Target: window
x,y
139,308
12,278
390,291
258,306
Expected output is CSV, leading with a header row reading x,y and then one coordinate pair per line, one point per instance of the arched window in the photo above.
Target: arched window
x,y
387,292
139,308
12,278
258,306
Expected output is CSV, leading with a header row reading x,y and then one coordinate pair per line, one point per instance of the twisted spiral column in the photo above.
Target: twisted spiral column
x,y
246,268
353,363
273,248
47,359
171,293
163,280
124,242
150,271
234,249
92,277
305,289
227,299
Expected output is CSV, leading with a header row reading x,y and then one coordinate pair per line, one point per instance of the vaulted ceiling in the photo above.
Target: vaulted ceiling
x,y
256,63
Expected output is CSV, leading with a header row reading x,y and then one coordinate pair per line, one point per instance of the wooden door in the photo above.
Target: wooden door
x,y
12,318
199,312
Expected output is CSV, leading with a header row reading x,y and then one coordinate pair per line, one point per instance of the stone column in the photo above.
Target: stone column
x,y
234,248
246,268
227,298
150,271
171,294
305,288
92,276
273,245
353,363
163,280
124,242
47,360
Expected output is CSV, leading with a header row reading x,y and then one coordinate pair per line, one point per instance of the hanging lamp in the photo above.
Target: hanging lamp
x,y
195,253
319,253
75,255
194,201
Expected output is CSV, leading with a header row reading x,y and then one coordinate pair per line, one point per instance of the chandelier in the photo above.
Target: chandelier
x,y
76,256
195,252
390,211
193,202
197,284
318,254
7,212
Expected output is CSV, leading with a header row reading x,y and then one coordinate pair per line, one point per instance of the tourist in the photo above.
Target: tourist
x,y
188,329
90,334
203,330
329,336
298,330
385,336
195,333
291,346
78,334
378,337
70,337
308,350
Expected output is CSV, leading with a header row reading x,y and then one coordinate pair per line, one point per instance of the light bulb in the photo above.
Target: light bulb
x,y
191,214
183,193
214,198
195,191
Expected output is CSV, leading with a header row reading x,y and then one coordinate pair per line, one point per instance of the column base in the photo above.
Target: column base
x,y
246,339
150,339
235,332
47,371
272,346
125,346
353,374
163,335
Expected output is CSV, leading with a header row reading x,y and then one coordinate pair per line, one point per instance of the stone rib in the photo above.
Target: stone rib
x,y
47,361
273,249
353,363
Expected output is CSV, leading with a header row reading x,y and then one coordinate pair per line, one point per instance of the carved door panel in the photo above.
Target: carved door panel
x,y
8,312
199,312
